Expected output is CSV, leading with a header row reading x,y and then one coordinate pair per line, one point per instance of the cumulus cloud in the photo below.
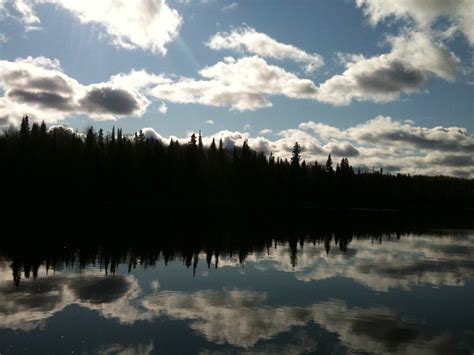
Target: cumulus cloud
x,y
210,122
341,149
150,133
413,58
248,83
39,88
385,131
424,13
414,149
242,84
247,39
146,24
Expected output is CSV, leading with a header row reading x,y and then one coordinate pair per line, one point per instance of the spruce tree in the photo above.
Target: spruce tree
x,y
296,157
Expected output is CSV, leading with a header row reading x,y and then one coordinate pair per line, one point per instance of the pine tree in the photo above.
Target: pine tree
x,y
296,157
328,166
112,137
43,131
200,145
25,128
90,139
213,148
100,138
192,140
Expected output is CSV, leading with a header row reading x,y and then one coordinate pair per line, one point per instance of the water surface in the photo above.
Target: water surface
x,y
368,293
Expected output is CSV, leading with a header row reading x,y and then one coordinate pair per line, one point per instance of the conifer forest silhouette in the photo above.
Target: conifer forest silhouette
x,y
114,175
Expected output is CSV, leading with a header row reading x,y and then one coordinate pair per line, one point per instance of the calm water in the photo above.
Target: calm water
x,y
370,294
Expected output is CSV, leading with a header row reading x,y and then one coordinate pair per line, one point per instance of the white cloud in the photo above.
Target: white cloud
x,y
242,84
414,57
247,83
26,12
265,131
22,11
39,88
247,39
163,109
230,7
210,122
146,24
424,13
150,133
138,79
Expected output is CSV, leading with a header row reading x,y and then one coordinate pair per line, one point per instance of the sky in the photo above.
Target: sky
x,y
388,84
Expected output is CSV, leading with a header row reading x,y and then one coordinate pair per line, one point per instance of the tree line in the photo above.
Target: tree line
x,y
59,167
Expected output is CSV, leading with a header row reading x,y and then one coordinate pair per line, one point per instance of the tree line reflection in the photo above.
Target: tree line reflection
x,y
107,254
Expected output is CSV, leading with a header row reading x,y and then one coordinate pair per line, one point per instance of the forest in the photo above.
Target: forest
x,y
60,169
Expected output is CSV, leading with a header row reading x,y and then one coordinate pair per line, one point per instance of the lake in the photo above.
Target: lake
x,y
308,293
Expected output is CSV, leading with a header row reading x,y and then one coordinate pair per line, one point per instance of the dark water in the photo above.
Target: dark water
x,y
328,294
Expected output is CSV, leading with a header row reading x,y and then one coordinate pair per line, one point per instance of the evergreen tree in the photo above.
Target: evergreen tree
x,y
35,130
200,145
213,148
43,131
192,140
112,137
296,157
90,139
100,138
328,166
25,128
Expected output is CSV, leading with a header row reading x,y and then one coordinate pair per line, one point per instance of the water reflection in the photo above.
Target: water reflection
x,y
29,306
307,294
385,263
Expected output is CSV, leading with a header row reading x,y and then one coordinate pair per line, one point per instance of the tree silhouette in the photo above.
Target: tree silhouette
x,y
25,128
296,157
328,165
60,160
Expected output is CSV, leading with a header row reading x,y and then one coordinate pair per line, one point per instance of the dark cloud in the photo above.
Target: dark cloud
x,y
344,150
393,78
46,100
23,79
98,290
109,100
55,84
455,160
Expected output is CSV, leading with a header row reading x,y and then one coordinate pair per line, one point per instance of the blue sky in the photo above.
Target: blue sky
x,y
403,67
